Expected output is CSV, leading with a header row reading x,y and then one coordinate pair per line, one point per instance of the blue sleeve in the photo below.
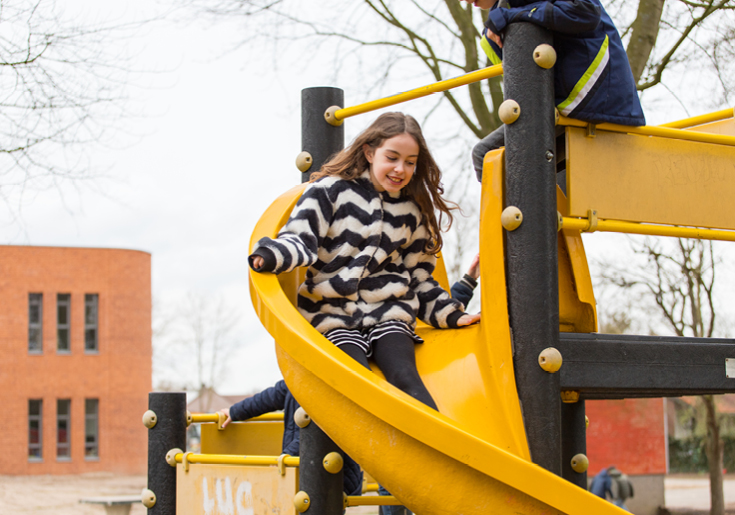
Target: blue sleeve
x,y
564,16
270,399
463,290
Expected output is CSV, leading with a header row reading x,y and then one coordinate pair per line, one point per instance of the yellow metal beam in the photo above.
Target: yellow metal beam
x,y
372,500
444,85
370,487
659,131
699,120
227,459
583,224
213,417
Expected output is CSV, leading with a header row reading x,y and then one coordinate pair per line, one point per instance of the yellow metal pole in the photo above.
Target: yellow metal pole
x,y
699,120
372,500
582,224
661,132
213,417
227,459
444,85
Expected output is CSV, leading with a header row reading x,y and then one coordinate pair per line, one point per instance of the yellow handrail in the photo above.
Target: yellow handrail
x,y
699,120
444,85
651,130
370,487
583,224
371,500
231,459
214,417
267,461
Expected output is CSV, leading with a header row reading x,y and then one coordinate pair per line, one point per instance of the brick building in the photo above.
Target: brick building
x,y
631,434
75,359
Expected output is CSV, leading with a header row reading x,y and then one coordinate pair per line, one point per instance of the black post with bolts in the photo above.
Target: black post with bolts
x,y
320,484
320,139
169,432
321,470
574,443
531,249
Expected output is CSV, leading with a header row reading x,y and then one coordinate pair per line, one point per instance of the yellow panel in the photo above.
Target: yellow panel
x,y
650,179
255,438
235,490
725,127
577,305
471,458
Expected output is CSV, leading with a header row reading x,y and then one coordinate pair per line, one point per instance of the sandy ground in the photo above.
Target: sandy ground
x,y
46,495
60,495
693,492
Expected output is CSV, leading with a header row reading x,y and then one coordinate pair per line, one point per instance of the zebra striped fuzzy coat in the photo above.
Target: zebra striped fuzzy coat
x,y
364,250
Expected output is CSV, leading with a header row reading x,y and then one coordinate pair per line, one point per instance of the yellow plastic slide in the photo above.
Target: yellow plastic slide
x,y
469,458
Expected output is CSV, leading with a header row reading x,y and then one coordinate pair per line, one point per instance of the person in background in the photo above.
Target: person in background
x,y
593,81
622,488
601,485
278,397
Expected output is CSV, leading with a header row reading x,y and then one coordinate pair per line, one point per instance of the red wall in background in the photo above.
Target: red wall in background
x,y
629,434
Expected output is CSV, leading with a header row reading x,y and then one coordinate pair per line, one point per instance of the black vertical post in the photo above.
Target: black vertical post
x,y
324,488
573,441
319,138
531,249
168,433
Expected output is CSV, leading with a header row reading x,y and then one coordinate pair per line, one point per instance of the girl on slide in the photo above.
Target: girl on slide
x,y
367,229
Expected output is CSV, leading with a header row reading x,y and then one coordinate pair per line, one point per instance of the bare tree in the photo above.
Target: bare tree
x,y
375,47
679,36
205,327
63,86
441,38
679,277
192,343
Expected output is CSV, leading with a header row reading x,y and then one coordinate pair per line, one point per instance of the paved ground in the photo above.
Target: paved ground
x,y
60,495
692,492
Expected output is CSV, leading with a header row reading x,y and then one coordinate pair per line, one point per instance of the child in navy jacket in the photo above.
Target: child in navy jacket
x,y
592,77
278,397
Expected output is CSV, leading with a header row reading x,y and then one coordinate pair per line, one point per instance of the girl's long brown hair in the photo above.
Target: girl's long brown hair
x,y
425,187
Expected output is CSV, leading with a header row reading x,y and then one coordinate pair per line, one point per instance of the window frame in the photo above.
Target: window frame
x,y
92,300
39,420
63,300
59,419
35,300
89,416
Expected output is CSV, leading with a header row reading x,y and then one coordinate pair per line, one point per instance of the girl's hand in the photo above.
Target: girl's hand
x,y
468,319
258,262
226,411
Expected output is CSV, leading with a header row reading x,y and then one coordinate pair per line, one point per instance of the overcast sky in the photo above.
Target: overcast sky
x,y
215,146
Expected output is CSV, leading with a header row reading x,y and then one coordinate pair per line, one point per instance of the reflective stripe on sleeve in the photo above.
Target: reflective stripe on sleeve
x,y
489,52
588,80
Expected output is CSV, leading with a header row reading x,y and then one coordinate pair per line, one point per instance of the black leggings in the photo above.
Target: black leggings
x,y
394,353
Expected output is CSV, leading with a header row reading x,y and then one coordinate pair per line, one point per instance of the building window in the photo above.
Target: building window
x,y
35,323
91,428
35,409
63,312
63,429
90,322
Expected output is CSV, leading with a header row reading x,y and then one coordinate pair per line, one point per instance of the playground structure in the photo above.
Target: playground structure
x,y
509,436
